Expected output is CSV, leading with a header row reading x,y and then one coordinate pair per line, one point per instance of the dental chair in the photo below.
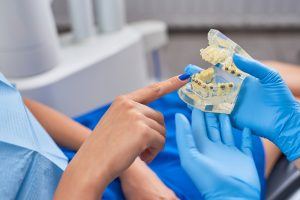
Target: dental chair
x,y
284,182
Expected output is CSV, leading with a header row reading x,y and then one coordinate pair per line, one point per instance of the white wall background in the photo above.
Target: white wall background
x,y
282,45
199,13
203,13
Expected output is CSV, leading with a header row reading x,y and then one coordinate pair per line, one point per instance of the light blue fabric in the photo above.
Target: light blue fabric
x,y
209,155
26,174
31,162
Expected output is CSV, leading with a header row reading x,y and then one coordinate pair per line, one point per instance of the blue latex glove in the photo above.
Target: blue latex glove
x,y
209,156
266,106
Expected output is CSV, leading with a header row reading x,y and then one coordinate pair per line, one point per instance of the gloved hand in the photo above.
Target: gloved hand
x,y
209,156
267,107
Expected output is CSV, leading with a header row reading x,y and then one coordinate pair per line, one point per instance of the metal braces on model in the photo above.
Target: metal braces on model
x,y
216,88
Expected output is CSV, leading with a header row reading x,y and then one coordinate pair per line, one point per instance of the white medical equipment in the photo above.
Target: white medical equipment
x,y
28,41
79,71
82,18
110,15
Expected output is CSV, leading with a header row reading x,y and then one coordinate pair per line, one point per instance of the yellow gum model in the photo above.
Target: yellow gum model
x,y
216,88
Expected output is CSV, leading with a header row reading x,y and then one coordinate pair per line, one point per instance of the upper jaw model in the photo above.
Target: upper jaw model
x,y
216,88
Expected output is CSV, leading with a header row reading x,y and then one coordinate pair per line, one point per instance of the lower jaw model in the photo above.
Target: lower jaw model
x,y
216,88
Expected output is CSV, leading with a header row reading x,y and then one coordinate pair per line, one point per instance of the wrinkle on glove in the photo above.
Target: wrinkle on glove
x,y
267,106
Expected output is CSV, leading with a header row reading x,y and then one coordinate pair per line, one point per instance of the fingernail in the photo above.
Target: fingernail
x,y
183,77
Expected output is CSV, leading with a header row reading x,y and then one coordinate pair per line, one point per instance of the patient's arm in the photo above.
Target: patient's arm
x,y
65,131
290,74
297,163
272,154
68,133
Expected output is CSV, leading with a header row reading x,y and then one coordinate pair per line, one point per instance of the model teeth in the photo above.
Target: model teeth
x,y
210,86
203,83
216,89
216,55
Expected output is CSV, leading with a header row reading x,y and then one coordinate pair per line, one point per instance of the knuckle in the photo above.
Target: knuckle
x,y
164,131
173,81
160,116
124,102
120,98
156,89
143,129
138,117
160,142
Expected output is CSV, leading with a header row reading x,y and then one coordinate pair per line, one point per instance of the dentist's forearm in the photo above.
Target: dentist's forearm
x,y
84,178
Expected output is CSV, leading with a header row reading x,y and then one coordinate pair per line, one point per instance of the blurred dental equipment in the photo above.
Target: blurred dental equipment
x,y
84,64
110,15
82,18
184,14
28,41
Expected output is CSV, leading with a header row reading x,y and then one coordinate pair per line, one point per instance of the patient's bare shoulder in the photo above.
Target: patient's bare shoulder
x,y
289,72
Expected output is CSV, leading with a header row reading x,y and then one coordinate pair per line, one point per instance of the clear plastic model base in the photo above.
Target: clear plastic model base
x,y
216,89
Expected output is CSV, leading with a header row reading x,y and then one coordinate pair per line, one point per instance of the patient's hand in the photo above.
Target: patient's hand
x,y
219,169
140,182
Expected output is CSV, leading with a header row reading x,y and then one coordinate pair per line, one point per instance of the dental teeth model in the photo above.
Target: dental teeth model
x,y
216,88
